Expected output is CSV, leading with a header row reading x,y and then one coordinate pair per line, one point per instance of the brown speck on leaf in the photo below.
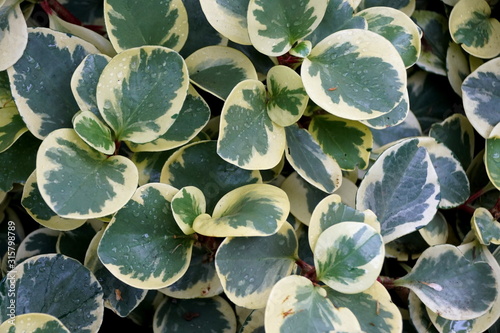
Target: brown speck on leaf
x,y
118,295
190,315
286,299
287,313
332,89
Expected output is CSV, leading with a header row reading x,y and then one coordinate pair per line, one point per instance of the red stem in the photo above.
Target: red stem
x,y
307,271
53,5
387,282
288,60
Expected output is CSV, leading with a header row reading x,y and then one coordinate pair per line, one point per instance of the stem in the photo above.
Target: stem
x,y
467,205
307,271
495,211
50,6
387,282
289,60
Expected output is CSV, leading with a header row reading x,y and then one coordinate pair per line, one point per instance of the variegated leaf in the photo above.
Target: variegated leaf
x,y
310,161
254,322
394,117
486,228
401,188
13,33
214,177
301,49
143,246
218,69
457,67
248,138
150,164
451,285
296,305
249,267
40,241
481,98
59,286
250,210
351,66
187,205
398,28
274,26
141,92
436,231
406,6
492,156
94,132
348,256
473,28
11,127
85,79
287,98
193,315
74,243
130,23
78,182
373,307
348,142
194,115
234,24
34,322
418,315
409,127
42,78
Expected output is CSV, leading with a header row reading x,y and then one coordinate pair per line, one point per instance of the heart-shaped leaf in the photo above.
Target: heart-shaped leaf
x,y
486,228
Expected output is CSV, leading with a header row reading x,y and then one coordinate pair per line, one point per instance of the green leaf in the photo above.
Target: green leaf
x,y
42,77
194,115
218,69
141,92
130,23
348,256
401,188
394,117
249,267
274,26
193,315
471,25
250,210
15,169
38,209
296,305
355,74
94,132
310,161
436,231
480,97
287,98
418,314
143,246
85,79
11,127
301,49
34,322
187,205
373,307
214,177
59,286
79,182
13,33
234,24
248,138
457,67
451,285
492,156
254,322
486,228
398,28
40,241
348,142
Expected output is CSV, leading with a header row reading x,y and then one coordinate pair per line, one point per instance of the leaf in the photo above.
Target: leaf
x,y
141,91
36,207
274,27
74,243
296,305
218,69
418,315
310,161
401,188
187,205
34,322
481,99
59,286
351,81
457,67
406,6
190,315
40,241
234,24
287,98
373,307
79,182
94,132
250,210
254,322
347,141
13,33
398,28
393,118
492,156
42,77
348,256
128,27
408,128
249,267
143,246
451,285
248,138
11,127
85,79
214,177
436,231
471,25
486,228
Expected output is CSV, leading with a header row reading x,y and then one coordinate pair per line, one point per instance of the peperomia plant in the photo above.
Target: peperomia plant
x,y
250,165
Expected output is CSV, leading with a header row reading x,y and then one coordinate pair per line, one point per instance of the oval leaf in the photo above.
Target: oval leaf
x,y
187,205
13,33
94,132
34,322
